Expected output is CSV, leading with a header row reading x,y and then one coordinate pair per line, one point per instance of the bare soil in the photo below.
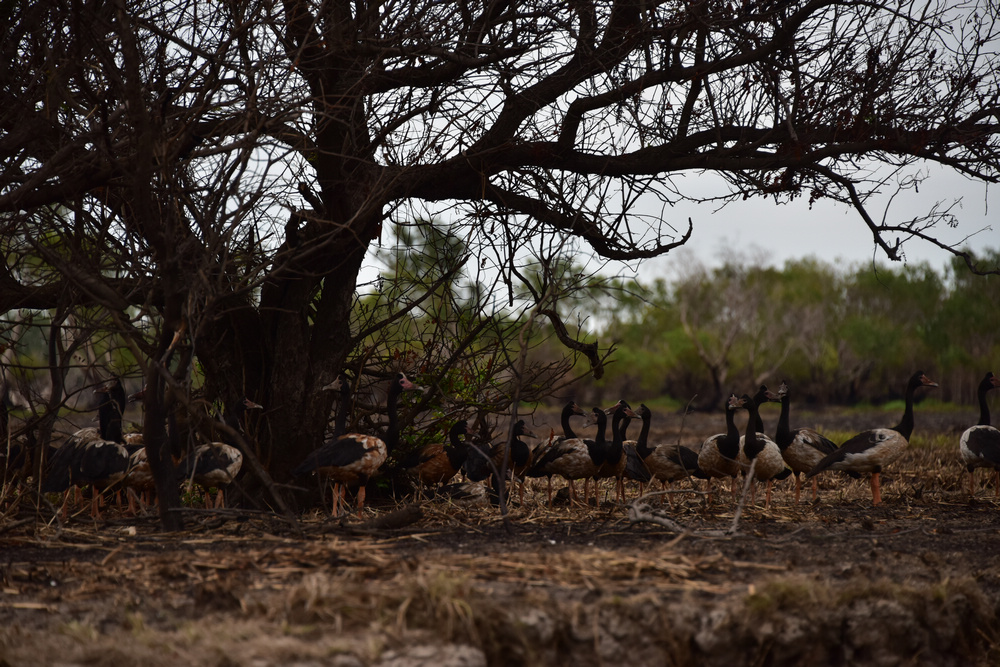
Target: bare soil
x,y
914,581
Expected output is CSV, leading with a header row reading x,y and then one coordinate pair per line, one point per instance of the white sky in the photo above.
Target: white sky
x,y
768,233
833,233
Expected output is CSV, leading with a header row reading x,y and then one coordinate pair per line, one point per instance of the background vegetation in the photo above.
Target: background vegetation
x,y
840,334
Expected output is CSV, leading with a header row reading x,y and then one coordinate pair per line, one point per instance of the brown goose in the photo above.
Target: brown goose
x,y
437,463
216,464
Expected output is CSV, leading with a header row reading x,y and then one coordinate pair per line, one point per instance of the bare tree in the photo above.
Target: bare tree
x,y
227,167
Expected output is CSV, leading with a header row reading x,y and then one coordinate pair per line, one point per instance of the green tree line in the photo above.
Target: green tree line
x,y
841,334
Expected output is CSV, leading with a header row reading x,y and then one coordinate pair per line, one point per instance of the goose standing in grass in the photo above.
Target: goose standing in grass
x,y
480,463
353,458
545,455
980,444
575,458
718,454
437,463
760,451
93,456
666,462
872,450
635,468
614,456
762,396
140,486
216,464
802,448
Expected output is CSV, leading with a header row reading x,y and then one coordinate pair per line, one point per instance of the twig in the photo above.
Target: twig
x,y
747,484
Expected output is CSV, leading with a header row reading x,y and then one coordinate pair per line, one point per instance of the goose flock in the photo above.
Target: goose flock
x,y
106,460
731,454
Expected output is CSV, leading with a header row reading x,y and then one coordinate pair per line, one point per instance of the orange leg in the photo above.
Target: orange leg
x,y
338,491
95,504
64,510
876,494
133,505
361,501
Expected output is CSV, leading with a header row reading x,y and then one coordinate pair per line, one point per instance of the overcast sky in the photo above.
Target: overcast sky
x,y
770,233
833,233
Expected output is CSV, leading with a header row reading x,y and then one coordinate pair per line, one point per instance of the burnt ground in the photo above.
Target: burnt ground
x,y
914,581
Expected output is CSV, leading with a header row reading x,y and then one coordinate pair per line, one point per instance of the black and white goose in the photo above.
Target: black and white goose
x,y
759,450
669,462
872,450
216,464
94,457
536,468
353,458
635,467
575,458
482,460
802,448
615,459
980,444
719,453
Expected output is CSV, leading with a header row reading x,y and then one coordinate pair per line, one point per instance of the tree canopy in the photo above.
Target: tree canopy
x,y
207,180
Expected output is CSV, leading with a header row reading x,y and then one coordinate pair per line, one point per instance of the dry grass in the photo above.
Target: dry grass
x,y
569,583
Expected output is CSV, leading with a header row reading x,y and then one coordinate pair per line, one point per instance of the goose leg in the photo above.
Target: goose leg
x,y
876,492
666,487
361,501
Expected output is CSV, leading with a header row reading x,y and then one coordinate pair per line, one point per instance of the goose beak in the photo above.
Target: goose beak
x,y
336,385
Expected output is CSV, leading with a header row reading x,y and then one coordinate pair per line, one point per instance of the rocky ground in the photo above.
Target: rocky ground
x,y
914,581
